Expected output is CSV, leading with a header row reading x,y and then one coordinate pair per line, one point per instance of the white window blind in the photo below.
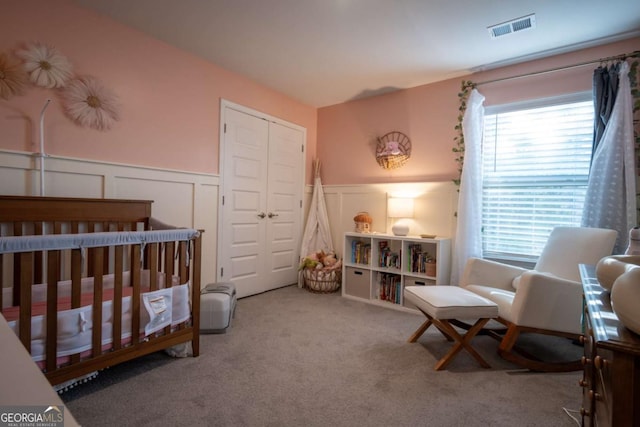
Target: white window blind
x,y
535,171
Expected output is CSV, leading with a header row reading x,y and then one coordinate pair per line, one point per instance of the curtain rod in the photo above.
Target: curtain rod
x,y
622,57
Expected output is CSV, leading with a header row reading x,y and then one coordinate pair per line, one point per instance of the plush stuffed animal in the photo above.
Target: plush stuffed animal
x,y
391,149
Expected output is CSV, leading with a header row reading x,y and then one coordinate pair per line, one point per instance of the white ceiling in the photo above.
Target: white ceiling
x,y
324,52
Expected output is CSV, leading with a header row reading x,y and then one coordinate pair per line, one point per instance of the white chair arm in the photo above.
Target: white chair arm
x,y
484,272
545,301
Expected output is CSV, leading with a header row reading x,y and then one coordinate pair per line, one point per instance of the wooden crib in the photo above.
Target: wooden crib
x,y
95,274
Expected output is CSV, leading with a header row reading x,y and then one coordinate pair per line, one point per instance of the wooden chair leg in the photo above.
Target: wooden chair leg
x,y
508,352
509,339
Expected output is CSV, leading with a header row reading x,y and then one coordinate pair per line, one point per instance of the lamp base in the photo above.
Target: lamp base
x,y
400,229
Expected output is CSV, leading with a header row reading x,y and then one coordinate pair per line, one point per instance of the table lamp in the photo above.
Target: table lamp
x,y
400,208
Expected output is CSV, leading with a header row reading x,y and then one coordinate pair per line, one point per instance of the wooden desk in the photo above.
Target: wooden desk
x,y
611,381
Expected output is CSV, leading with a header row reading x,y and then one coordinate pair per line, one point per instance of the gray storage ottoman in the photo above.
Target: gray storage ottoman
x,y
217,307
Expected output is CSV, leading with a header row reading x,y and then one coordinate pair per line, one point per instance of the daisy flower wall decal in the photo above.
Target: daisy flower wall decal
x,y
88,103
12,77
45,66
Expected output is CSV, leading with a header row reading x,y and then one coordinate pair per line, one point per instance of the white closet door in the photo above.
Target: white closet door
x,y
261,214
284,223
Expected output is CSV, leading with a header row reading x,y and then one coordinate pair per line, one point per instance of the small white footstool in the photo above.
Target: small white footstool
x,y
443,303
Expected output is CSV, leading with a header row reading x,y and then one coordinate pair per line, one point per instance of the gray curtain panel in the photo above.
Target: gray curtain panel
x,y
605,87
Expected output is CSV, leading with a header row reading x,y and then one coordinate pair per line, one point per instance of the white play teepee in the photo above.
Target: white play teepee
x,y
317,234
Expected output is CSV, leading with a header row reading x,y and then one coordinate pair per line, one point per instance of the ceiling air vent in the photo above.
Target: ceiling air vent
x,y
520,24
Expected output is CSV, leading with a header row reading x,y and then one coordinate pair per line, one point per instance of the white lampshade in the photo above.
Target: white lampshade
x,y
402,208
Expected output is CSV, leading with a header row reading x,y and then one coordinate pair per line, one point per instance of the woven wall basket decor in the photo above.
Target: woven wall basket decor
x,y
393,150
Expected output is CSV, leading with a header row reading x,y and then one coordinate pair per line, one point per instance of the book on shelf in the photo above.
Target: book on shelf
x,y
360,252
389,288
387,257
418,259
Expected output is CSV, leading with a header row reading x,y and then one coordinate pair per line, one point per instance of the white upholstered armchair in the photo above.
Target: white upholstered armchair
x,y
546,299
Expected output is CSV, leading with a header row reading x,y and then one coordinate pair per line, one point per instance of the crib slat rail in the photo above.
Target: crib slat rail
x,y
195,295
53,275
26,279
97,274
113,273
168,273
117,297
135,302
76,287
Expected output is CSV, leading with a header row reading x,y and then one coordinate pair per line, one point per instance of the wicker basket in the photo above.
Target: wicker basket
x,y
397,158
322,281
392,161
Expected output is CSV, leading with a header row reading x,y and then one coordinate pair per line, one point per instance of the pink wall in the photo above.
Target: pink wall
x,y
427,114
170,99
170,102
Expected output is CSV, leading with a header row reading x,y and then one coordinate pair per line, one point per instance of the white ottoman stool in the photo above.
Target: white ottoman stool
x,y
443,303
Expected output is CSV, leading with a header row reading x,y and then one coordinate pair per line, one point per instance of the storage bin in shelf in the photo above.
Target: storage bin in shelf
x,y
356,282
415,281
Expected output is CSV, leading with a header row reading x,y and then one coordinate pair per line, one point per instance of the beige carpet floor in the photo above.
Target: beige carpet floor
x,y
294,358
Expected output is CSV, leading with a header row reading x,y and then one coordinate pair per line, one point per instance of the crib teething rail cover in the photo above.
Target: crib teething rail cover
x,y
15,244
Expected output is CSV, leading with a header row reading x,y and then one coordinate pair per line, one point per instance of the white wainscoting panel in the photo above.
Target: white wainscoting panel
x,y
191,199
184,199
435,207
174,200
73,184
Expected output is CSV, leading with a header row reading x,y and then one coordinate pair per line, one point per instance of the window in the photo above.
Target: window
x,y
536,160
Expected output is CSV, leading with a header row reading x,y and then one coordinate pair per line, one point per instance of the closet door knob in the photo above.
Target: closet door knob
x,y
271,215
261,215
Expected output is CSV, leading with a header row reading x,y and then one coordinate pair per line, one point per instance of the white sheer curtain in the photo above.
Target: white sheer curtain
x,y
611,193
468,239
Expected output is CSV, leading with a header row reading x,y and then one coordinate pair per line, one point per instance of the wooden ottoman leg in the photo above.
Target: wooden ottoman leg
x,y
461,342
420,330
442,305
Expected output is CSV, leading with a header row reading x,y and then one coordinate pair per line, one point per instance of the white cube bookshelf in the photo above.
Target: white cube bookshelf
x,y
377,267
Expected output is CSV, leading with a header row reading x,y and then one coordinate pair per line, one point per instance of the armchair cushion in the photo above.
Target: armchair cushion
x,y
488,273
569,246
545,301
502,297
542,301
516,282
